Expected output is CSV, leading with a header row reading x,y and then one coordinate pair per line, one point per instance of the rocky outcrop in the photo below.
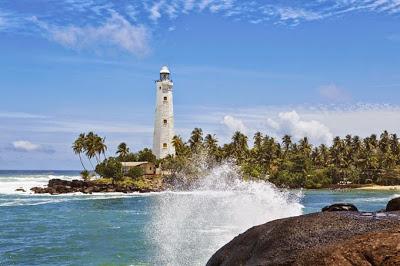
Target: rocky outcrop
x,y
327,238
340,207
59,186
393,205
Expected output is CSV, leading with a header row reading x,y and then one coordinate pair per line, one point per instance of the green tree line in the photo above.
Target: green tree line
x,y
292,164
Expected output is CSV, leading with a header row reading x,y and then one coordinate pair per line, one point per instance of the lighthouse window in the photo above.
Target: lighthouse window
x,y
165,98
164,145
165,121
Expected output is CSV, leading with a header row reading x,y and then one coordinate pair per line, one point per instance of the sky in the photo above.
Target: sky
x,y
306,68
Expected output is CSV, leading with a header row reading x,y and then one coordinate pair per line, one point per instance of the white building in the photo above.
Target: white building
x,y
164,117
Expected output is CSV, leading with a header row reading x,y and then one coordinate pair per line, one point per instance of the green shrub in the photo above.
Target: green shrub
x,y
135,172
85,174
111,168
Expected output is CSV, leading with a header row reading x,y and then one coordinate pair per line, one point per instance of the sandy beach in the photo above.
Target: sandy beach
x,y
377,187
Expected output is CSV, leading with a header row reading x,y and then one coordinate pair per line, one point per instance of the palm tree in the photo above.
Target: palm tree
x,y
305,146
394,147
239,145
211,143
179,145
122,150
196,138
78,147
324,152
258,138
287,142
90,148
100,146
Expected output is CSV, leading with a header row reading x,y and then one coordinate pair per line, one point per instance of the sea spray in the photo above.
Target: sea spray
x,y
187,227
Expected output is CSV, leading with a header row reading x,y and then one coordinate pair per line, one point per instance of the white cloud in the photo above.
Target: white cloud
x,y
155,10
188,5
291,123
234,124
332,92
330,120
116,31
24,145
27,146
10,20
294,14
132,11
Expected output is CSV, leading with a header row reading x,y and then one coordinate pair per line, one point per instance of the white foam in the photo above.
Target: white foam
x,y
8,184
189,226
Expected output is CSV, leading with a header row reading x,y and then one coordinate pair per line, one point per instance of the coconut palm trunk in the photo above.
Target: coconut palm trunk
x,y
80,159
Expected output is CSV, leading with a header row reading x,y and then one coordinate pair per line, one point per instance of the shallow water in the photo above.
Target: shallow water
x,y
169,228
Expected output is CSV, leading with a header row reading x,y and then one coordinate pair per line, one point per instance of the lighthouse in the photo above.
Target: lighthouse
x,y
164,116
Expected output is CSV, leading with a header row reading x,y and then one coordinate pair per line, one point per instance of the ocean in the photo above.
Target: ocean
x,y
167,228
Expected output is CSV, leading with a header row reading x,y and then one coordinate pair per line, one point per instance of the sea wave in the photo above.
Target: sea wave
x,y
40,199
9,183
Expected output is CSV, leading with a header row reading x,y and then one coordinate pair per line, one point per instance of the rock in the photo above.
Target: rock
x,y
38,190
58,182
20,189
59,186
340,207
393,205
88,190
328,238
52,191
77,183
96,189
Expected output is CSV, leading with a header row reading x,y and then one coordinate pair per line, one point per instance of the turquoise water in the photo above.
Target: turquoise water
x,y
171,228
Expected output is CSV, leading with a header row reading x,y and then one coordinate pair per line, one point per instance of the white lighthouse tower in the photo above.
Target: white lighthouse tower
x,y
164,117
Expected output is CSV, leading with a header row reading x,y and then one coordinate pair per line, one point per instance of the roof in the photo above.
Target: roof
x,y
133,164
164,70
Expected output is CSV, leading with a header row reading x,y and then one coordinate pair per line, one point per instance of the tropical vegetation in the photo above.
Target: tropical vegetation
x,y
286,162
93,147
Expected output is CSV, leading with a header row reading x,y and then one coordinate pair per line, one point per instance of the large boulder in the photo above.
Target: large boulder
x,y
393,205
328,238
58,182
339,207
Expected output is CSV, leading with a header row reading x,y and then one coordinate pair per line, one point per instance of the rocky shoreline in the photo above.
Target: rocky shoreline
x,y
340,235
59,186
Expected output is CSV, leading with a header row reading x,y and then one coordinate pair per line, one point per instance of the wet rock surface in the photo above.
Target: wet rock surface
x,y
59,186
327,238
338,207
393,205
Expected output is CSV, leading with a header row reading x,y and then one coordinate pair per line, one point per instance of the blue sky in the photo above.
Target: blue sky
x,y
316,68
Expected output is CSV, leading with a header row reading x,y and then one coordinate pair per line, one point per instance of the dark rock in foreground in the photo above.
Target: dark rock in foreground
x,y
58,186
328,238
393,205
340,207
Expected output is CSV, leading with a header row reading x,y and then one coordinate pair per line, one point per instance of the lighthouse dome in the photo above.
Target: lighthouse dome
x,y
164,70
